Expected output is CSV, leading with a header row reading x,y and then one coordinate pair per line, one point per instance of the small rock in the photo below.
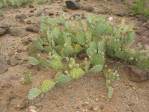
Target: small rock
x,y
146,25
11,53
70,87
20,17
78,107
45,12
33,28
85,104
3,31
93,108
31,6
88,8
20,56
32,109
130,104
4,68
121,14
1,18
28,22
29,66
26,40
101,107
141,18
138,75
51,14
96,99
3,65
39,13
22,105
33,10
71,4
30,14
21,49
17,31
4,25
13,61
84,110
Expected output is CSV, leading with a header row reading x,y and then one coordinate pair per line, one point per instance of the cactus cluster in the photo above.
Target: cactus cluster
x,y
63,42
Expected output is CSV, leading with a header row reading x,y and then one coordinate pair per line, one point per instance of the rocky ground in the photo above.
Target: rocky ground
x,y
18,27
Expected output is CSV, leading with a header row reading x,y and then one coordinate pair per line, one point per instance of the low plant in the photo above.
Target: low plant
x,y
74,48
1,13
141,7
18,3
110,76
27,77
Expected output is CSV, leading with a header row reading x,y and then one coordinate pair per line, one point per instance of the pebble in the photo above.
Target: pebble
x,y
3,65
20,17
84,110
33,28
28,22
13,61
3,31
146,25
96,99
32,109
101,107
17,31
26,41
91,108
71,4
88,8
137,75
3,68
22,105
85,104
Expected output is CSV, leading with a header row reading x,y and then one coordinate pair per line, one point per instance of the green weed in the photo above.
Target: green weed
x,y
27,78
1,13
141,7
18,3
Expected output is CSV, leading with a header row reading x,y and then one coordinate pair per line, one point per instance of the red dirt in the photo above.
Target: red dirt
x,y
85,95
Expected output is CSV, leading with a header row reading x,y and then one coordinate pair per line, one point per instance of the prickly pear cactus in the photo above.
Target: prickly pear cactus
x,y
95,38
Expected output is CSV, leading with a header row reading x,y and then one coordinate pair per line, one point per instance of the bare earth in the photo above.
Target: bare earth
x,y
88,94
